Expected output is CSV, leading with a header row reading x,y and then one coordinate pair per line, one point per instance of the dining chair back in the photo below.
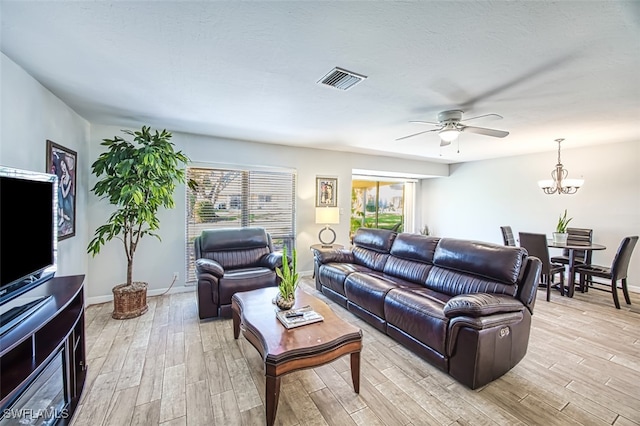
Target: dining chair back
x,y
507,236
618,271
576,236
536,245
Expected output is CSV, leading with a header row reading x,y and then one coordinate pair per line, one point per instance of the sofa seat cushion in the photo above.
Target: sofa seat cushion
x,y
244,280
333,275
368,290
419,312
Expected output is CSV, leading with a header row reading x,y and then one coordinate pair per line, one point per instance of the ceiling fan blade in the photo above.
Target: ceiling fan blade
x,y
416,134
425,122
482,131
484,115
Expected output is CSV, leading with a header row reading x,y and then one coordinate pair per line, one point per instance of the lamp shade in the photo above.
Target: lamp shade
x,y
327,215
548,183
449,134
576,183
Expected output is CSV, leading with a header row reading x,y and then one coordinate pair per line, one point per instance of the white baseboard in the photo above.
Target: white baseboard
x,y
96,300
186,288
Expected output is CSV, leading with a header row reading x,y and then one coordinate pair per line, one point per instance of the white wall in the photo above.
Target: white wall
x,y
479,197
156,262
29,115
472,203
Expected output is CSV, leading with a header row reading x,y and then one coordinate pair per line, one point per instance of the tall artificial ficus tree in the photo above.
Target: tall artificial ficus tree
x,y
138,178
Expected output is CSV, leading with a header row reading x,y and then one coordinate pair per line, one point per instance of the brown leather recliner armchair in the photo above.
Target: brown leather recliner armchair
x,y
232,260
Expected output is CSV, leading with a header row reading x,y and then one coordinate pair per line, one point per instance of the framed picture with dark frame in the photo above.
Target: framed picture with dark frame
x,y
326,192
63,163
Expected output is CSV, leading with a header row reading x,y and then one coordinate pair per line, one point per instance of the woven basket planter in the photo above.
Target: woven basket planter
x,y
129,301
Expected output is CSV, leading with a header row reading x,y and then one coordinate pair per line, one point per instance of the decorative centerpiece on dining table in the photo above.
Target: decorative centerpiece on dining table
x,y
560,236
288,275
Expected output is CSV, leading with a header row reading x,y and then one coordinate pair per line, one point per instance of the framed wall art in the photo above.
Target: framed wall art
x,y
62,162
326,192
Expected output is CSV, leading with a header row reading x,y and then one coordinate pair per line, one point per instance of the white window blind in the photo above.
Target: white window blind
x,y
228,198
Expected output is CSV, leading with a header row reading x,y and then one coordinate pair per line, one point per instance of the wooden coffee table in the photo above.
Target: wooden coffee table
x,y
284,351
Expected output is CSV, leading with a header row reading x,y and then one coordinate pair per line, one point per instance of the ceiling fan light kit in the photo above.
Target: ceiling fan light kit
x,y
559,184
449,133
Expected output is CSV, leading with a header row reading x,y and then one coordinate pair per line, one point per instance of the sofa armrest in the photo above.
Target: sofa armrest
x,y
208,266
271,260
335,256
481,304
501,322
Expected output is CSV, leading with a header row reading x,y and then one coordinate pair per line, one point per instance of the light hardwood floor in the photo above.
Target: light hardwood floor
x,y
168,367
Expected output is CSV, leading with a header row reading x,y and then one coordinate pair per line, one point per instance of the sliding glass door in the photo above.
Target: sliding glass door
x,y
378,204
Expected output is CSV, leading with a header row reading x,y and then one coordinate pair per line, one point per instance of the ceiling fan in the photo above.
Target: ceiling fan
x,y
449,127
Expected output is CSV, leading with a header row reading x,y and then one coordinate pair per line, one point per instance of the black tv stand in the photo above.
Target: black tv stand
x,y
15,315
42,357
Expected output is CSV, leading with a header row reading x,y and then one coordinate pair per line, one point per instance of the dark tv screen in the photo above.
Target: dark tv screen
x,y
27,230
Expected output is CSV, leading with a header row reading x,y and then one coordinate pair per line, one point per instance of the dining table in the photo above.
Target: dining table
x,y
571,248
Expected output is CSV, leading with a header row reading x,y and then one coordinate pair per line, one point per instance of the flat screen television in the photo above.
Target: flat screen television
x,y
28,230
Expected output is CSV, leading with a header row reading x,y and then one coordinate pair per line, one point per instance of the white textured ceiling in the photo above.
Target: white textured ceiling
x,y
248,70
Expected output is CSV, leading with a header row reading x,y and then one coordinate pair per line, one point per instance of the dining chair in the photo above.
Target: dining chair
x,y
507,236
577,236
536,245
618,271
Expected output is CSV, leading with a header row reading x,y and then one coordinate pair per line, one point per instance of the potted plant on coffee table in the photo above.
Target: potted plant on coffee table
x,y
288,275
138,178
560,236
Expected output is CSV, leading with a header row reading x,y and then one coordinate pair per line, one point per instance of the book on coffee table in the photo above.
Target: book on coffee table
x,y
298,317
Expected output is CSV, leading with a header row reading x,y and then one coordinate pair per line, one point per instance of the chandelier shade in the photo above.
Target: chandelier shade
x,y
559,183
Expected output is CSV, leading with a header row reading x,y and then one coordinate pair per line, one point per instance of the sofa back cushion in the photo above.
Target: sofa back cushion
x,y
233,248
411,257
462,266
414,247
371,247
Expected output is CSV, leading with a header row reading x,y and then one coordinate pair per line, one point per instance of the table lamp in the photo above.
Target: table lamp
x,y
327,216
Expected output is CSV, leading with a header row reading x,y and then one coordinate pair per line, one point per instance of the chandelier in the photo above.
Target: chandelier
x,y
559,184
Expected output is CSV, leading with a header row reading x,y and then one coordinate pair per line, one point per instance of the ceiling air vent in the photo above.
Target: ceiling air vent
x,y
341,79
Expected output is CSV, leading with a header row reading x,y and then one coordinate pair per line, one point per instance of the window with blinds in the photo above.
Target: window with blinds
x,y
227,198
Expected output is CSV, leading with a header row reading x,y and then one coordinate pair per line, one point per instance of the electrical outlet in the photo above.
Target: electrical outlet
x,y
175,276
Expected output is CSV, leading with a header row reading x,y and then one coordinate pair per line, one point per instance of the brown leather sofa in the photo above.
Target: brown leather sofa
x,y
231,260
464,306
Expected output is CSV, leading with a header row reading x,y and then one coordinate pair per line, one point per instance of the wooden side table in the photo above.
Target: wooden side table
x,y
323,247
